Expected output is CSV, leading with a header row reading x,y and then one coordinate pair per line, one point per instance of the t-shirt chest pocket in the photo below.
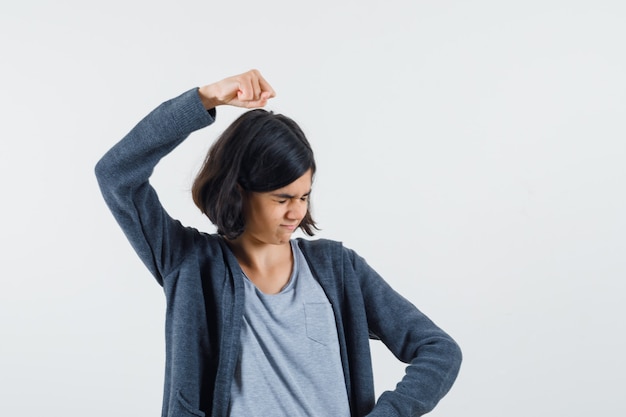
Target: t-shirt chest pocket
x,y
319,321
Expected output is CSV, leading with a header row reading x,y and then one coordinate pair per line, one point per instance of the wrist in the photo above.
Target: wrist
x,y
208,97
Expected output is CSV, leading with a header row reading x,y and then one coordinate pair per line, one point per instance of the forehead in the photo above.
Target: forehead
x,y
304,181
298,188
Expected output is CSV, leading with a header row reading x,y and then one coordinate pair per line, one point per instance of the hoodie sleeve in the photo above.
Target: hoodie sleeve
x,y
123,176
434,358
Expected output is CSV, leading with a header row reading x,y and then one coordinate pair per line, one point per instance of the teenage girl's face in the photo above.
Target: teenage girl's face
x,y
273,216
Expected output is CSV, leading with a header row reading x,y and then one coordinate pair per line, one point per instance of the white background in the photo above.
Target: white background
x,y
473,151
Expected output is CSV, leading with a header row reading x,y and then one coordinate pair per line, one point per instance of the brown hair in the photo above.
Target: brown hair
x,y
260,151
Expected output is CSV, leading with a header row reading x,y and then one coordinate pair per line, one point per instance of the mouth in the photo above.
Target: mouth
x,y
290,227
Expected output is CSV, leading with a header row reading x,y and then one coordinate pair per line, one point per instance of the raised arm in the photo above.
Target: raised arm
x,y
123,172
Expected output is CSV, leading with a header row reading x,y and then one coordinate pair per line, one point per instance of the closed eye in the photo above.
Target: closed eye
x,y
283,198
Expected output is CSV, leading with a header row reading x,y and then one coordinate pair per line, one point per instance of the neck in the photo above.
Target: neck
x,y
267,266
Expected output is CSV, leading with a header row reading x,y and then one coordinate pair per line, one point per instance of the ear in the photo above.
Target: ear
x,y
243,195
242,192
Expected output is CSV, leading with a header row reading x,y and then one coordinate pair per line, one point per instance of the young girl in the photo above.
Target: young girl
x,y
258,323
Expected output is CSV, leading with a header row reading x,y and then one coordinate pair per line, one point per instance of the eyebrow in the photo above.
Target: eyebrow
x,y
289,196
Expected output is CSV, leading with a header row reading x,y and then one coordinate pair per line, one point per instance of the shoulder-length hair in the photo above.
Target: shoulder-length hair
x,y
259,152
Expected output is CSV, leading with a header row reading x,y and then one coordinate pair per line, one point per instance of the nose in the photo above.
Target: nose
x,y
297,209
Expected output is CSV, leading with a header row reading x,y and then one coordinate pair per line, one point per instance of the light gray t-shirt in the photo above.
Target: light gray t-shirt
x,y
289,363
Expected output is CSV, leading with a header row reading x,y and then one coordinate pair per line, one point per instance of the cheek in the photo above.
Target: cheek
x,y
264,214
275,215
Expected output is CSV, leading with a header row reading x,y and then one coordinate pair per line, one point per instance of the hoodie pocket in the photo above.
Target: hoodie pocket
x,y
186,409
